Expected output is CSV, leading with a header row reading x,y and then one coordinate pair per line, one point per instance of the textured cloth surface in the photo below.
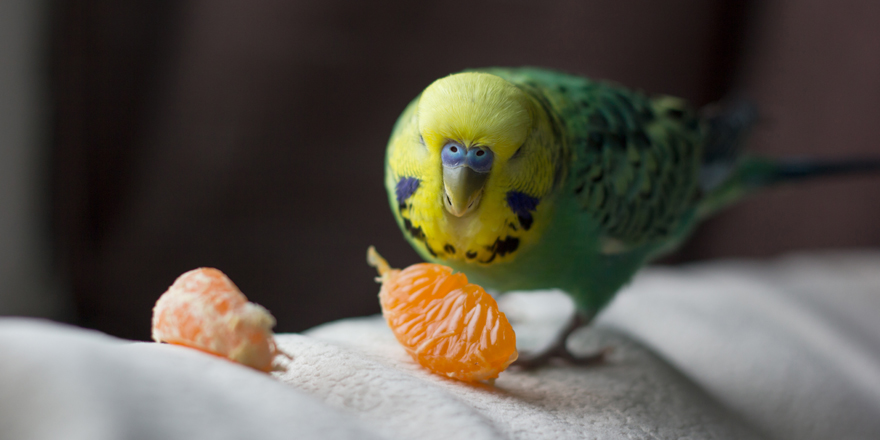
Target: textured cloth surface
x,y
358,366
59,382
793,345
787,349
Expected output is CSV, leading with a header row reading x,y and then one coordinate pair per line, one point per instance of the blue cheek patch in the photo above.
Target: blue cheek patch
x,y
522,205
404,189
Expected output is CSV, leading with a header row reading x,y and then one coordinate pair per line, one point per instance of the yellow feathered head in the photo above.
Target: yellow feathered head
x,y
469,163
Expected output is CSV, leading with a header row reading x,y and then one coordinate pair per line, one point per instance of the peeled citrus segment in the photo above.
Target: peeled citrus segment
x,y
447,325
204,310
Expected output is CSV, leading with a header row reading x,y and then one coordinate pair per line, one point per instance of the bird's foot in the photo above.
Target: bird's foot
x,y
558,350
527,362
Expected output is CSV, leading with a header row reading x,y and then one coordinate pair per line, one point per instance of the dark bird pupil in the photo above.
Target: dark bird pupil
x,y
480,153
454,150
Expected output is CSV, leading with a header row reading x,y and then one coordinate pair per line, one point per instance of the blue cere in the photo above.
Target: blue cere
x,y
453,154
480,159
405,188
522,205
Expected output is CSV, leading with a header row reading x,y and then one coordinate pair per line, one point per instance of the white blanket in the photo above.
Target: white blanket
x,y
743,350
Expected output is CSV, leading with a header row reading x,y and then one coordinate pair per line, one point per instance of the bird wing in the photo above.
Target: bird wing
x,y
636,163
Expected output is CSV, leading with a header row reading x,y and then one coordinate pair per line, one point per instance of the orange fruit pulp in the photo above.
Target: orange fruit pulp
x,y
204,310
447,325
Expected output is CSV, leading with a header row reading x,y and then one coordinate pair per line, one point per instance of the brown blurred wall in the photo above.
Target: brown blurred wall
x,y
814,72
250,136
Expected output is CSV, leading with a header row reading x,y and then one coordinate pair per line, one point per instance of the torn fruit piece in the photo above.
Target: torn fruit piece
x,y
204,310
447,325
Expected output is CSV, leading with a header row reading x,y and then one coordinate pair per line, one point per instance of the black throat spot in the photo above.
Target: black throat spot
x,y
502,247
415,232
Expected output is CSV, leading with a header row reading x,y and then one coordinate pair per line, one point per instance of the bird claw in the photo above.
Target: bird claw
x,y
526,363
558,350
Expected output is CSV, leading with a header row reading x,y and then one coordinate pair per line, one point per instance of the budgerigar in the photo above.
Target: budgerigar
x,y
531,179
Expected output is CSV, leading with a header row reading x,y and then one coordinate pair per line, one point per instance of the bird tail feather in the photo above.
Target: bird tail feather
x,y
726,175
754,173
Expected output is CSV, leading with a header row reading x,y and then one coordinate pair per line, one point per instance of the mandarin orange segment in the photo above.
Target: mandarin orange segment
x,y
204,310
447,325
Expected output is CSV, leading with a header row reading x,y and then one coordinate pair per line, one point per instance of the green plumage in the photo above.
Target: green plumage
x,y
634,177
628,189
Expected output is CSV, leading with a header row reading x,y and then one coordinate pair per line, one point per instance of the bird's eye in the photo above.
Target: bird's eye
x,y
480,159
453,155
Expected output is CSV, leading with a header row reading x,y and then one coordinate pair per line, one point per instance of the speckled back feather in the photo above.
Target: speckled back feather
x,y
634,160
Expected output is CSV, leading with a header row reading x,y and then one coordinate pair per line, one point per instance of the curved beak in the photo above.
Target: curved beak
x,y
462,188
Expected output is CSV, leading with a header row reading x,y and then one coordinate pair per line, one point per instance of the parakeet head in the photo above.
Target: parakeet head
x,y
476,122
469,164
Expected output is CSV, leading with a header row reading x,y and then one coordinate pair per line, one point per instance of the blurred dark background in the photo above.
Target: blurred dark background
x,y
250,136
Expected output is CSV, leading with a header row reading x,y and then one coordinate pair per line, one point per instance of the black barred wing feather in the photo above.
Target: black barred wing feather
x,y
636,163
